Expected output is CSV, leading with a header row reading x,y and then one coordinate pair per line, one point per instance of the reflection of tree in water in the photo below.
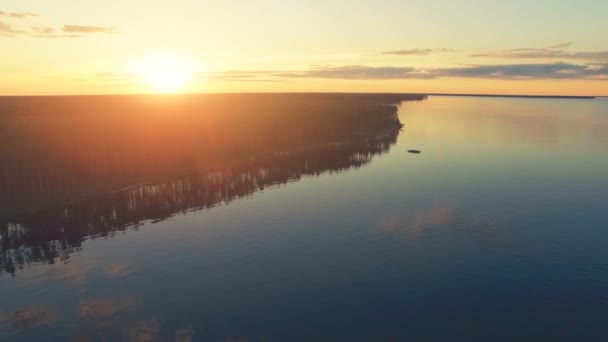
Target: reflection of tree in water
x,y
55,233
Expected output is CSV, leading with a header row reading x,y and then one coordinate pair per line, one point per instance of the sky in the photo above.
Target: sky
x,y
544,47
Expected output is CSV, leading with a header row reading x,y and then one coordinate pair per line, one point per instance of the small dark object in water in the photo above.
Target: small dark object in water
x,y
414,151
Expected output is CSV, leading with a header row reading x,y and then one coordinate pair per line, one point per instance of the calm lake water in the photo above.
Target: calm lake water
x,y
496,231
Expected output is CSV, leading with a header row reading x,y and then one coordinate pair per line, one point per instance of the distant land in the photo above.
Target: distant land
x,y
341,93
519,96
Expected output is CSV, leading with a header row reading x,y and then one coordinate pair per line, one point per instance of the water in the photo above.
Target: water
x,y
496,231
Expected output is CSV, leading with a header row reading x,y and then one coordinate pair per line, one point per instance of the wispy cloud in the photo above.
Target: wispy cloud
x,y
8,30
414,52
48,32
558,52
35,35
242,76
552,52
17,15
67,31
357,72
89,29
42,30
561,46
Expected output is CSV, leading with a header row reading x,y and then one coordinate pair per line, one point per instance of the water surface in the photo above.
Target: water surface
x,y
496,231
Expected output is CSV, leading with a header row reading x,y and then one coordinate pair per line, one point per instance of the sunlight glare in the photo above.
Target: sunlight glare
x,y
165,72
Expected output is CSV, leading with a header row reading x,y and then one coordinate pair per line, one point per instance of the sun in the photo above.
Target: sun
x,y
165,72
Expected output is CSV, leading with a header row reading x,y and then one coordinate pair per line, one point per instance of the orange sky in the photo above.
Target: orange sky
x,y
88,47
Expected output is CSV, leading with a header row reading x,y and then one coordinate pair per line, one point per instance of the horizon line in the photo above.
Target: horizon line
x,y
313,92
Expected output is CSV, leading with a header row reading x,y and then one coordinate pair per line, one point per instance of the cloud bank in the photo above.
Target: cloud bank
x,y
534,71
557,63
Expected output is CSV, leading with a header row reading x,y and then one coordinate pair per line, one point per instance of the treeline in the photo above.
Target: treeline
x,y
55,149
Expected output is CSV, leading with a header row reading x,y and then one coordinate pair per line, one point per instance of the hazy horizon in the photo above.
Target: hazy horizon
x,y
565,96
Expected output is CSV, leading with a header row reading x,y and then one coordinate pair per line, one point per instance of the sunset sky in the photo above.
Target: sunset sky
x,y
114,46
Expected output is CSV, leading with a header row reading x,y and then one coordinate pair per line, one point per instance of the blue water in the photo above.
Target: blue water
x,y
496,231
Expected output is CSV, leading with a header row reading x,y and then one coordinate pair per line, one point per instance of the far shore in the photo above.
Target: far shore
x,y
520,96
414,95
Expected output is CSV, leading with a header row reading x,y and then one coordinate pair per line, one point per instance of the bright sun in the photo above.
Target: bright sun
x,y
165,72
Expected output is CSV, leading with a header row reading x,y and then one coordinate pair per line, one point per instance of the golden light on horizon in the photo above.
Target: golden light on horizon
x,y
165,72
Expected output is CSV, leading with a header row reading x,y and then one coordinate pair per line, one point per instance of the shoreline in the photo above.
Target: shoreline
x,y
566,97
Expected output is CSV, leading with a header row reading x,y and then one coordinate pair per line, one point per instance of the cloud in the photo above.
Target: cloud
x,y
526,71
551,52
7,30
67,31
48,32
236,79
55,36
560,46
89,29
242,76
419,52
531,71
17,15
43,30
501,71
358,72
